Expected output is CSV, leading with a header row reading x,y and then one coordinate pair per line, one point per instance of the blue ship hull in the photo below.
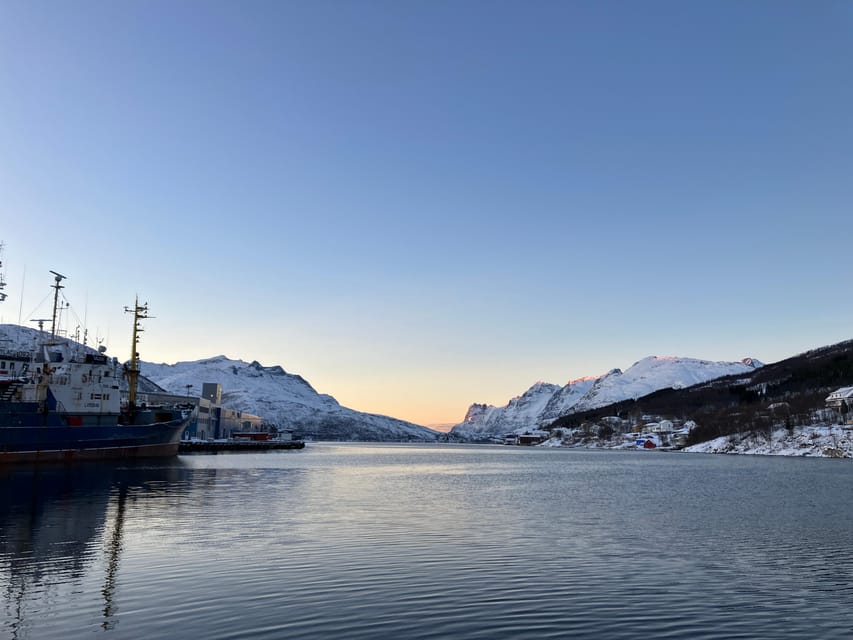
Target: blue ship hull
x,y
29,436
63,401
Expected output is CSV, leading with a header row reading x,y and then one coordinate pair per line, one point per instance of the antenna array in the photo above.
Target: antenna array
x,y
2,277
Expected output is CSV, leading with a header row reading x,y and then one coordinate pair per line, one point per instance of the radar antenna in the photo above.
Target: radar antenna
x,y
41,322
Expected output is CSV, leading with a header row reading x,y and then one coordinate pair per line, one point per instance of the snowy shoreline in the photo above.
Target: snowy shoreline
x,y
816,441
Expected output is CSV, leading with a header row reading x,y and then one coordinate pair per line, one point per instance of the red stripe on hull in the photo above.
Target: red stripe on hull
x,y
65,455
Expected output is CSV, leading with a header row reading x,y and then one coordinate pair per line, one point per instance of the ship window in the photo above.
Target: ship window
x,y
2,365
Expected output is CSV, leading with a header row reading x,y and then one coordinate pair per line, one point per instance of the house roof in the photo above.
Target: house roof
x,y
841,394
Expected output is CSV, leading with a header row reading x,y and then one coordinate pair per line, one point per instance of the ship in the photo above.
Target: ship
x,y
63,401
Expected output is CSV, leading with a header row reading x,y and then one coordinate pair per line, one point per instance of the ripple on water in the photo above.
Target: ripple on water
x,y
373,542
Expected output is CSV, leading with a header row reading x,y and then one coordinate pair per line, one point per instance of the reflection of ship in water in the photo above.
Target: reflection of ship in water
x,y
57,523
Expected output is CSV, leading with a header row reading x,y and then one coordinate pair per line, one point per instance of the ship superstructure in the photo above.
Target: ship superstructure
x,y
62,400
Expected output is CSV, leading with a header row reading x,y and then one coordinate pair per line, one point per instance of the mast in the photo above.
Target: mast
x,y
2,278
140,312
58,277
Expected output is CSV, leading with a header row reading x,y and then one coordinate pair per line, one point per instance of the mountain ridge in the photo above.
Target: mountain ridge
x,y
284,399
713,394
281,398
544,403
789,392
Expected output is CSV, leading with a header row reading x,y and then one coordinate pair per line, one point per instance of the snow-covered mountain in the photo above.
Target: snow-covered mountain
x,y
521,411
291,402
284,399
543,403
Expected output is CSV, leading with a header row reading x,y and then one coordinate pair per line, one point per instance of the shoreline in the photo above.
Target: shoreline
x,y
814,441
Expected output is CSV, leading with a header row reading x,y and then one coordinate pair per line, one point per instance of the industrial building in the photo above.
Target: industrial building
x,y
213,421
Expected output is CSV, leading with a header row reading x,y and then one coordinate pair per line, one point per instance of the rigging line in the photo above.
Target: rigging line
x,y
38,306
21,303
71,309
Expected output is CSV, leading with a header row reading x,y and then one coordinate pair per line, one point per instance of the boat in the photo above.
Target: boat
x,y
63,401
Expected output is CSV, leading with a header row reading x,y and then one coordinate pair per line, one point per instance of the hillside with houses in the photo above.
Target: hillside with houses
x,y
797,406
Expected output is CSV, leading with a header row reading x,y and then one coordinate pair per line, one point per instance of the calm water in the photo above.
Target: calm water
x,y
375,541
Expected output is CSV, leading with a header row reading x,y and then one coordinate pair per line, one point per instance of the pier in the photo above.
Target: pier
x,y
215,446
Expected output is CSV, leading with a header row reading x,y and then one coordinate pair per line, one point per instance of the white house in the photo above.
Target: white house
x,y
841,400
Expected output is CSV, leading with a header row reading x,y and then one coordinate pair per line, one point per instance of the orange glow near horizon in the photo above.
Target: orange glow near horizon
x,y
582,379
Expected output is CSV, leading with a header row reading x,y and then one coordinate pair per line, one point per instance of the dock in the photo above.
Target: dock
x,y
215,446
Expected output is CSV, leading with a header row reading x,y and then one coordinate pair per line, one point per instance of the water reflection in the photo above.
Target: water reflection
x,y
57,522
113,548
428,543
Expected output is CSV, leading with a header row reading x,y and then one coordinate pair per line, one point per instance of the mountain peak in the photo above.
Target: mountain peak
x,y
476,411
753,362
214,360
543,403
278,397
284,399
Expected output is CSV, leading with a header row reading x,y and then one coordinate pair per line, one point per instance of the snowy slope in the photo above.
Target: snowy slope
x,y
566,398
14,337
654,373
282,398
522,411
820,440
269,392
534,409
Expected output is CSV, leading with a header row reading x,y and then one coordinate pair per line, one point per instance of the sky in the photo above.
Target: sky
x,y
421,205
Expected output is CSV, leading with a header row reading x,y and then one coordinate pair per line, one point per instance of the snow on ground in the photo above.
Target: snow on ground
x,y
826,441
817,441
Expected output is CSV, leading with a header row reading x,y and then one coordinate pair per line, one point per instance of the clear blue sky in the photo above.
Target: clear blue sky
x,y
419,205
